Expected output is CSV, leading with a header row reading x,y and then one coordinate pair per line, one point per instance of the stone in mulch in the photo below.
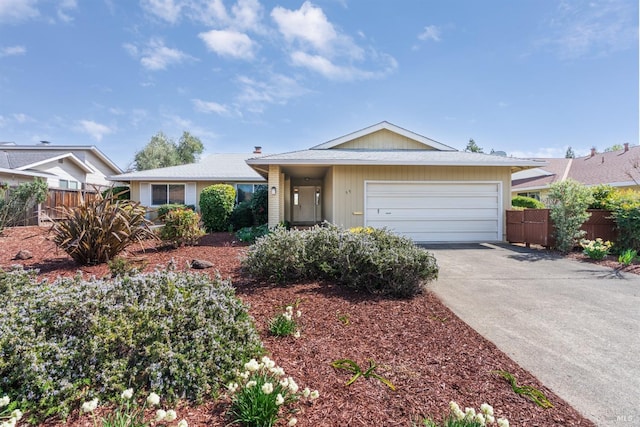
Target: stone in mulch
x,y
200,264
23,254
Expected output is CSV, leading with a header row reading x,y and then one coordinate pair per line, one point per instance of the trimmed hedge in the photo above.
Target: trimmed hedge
x,y
216,205
372,260
526,202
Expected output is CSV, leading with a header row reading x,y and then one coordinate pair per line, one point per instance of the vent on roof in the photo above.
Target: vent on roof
x,y
45,143
257,150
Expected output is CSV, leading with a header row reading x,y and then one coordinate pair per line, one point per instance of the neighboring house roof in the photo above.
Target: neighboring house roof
x,y
617,168
215,167
23,157
5,171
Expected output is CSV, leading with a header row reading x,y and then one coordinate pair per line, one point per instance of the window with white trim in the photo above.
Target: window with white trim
x,y
68,184
244,192
162,194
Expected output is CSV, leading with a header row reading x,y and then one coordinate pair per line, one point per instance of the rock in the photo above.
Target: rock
x,y
23,254
200,264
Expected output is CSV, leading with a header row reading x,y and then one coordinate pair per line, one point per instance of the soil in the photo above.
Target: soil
x,y
429,354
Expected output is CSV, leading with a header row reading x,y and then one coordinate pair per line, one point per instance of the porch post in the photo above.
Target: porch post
x,y
276,201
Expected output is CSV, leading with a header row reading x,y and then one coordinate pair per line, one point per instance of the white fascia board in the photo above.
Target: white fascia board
x,y
76,160
24,173
326,162
388,126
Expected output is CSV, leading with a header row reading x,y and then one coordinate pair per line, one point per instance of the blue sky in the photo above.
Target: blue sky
x,y
528,77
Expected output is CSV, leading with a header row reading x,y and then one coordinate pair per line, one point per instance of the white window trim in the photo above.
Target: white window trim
x,y
167,184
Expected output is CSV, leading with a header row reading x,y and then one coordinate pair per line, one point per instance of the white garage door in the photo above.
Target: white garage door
x,y
436,211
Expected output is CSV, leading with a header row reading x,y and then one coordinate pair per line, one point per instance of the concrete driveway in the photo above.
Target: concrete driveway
x,y
573,325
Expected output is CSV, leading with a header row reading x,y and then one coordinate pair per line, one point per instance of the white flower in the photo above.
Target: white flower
x,y
277,371
306,392
480,418
296,334
183,423
490,419
171,415
252,365
153,399
287,316
4,401
245,375
127,394
486,409
267,388
456,411
90,406
293,386
289,309
314,395
469,413
232,387
268,363
292,422
251,384
160,414
279,399
503,422
298,313
17,413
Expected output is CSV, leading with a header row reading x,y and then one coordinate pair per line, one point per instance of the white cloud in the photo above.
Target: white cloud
x,y
209,107
308,24
94,129
22,118
247,14
430,32
18,10
276,89
229,43
12,51
156,56
579,29
331,71
168,10
64,7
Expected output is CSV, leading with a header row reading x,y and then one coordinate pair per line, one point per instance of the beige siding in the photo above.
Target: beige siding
x,y
348,184
384,140
327,196
134,189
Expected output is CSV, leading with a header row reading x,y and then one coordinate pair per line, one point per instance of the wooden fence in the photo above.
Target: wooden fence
x,y
534,226
49,210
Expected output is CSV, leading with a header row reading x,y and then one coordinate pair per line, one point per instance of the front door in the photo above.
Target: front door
x,y
306,204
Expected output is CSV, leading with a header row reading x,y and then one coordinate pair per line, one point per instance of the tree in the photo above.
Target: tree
x,y
162,152
472,147
570,154
614,147
15,203
568,201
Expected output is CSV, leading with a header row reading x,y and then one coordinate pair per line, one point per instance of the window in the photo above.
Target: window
x,y
167,193
65,183
533,195
245,191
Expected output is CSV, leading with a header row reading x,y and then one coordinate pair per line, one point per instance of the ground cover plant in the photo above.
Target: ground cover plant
x,y
428,354
181,335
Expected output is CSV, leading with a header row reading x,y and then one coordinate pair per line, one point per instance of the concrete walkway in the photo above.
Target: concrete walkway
x,y
573,325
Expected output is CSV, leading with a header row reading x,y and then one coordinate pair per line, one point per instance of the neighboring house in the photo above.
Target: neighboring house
x,y
184,183
63,166
620,169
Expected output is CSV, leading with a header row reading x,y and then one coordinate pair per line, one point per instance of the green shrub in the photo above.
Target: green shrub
x,y
118,192
98,230
526,202
627,256
180,335
216,205
242,216
260,205
15,203
163,210
181,227
601,195
568,201
125,267
251,234
372,260
625,209
596,249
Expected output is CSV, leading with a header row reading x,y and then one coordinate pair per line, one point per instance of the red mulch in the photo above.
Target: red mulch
x,y
430,355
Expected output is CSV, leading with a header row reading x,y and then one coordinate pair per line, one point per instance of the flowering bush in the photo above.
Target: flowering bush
x,y
468,418
596,249
180,334
181,227
284,324
8,417
262,392
129,414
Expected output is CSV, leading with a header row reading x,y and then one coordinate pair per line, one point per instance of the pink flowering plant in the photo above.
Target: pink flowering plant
x,y
263,394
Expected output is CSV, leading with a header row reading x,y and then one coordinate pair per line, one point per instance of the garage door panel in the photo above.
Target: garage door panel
x,y
436,212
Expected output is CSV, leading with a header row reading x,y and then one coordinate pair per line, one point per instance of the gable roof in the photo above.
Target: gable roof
x,y
48,159
383,126
215,167
24,156
617,168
